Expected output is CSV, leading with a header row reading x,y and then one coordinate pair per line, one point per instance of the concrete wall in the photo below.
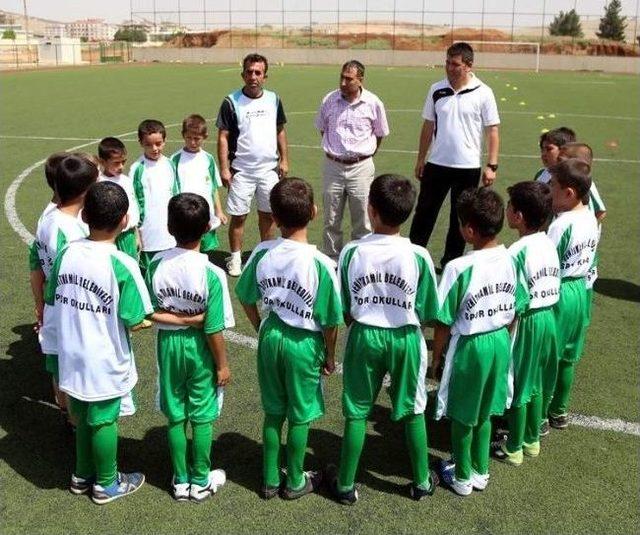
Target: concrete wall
x,y
397,58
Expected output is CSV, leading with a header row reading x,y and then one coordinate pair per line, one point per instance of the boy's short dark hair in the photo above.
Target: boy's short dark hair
x,y
482,209
393,197
292,202
51,167
188,217
254,58
582,151
573,173
105,204
464,50
558,136
533,200
195,123
110,147
74,176
151,126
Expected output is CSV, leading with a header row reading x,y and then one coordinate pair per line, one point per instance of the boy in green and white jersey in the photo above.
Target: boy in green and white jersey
x,y
198,173
575,234
113,155
388,291
595,204
297,288
534,349
191,361
550,144
57,227
154,183
98,294
480,294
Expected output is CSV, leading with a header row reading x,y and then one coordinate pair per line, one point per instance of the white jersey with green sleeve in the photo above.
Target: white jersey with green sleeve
x,y
575,236
543,175
537,260
387,281
154,183
596,204
55,230
127,185
34,257
97,293
293,280
481,292
198,173
185,282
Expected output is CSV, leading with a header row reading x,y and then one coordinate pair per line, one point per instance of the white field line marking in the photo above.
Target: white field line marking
x,y
591,422
297,146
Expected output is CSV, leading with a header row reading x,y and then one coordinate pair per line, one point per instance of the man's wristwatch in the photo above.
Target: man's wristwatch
x,y
493,166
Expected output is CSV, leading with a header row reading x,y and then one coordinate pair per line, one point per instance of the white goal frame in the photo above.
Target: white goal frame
x,y
536,45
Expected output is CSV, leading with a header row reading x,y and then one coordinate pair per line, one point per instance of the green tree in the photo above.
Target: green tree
x,y
612,25
133,35
9,34
566,24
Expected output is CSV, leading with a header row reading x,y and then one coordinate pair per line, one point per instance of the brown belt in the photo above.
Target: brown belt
x,y
347,161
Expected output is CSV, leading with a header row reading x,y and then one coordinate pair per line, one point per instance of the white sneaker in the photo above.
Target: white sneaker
x,y
234,266
199,493
479,481
447,472
180,491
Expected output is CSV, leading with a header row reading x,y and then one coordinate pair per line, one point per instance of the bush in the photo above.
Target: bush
x,y
133,35
612,25
566,24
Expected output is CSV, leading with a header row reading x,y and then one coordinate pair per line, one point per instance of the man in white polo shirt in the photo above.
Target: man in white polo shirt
x,y
252,153
457,112
352,122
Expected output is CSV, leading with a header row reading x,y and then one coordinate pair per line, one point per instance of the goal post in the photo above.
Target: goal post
x,y
508,47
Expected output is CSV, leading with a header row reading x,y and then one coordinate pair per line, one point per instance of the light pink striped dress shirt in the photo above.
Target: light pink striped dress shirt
x,y
350,129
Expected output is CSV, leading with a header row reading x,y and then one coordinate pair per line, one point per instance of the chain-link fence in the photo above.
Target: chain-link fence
x,y
18,55
377,24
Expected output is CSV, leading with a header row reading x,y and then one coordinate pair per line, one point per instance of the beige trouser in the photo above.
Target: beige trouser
x,y
341,183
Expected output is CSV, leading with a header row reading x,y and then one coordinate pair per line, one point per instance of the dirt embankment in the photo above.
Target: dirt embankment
x,y
403,39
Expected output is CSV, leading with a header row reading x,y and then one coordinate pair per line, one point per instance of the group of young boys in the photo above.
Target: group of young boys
x,y
114,254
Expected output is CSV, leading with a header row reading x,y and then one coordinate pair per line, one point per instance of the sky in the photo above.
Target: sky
x,y
118,10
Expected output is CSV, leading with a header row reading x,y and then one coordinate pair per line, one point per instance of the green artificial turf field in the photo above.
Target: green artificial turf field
x,y
586,479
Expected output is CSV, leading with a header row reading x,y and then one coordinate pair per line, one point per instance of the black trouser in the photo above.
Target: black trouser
x,y
436,182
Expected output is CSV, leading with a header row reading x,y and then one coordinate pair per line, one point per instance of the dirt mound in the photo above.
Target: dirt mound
x,y
196,40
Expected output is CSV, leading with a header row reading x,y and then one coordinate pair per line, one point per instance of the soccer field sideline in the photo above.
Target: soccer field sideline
x,y
591,422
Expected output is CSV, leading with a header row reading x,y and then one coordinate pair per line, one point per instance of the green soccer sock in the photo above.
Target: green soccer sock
x,y
296,451
415,431
104,444
517,418
271,432
352,444
461,439
201,452
177,438
534,418
480,446
560,404
84,454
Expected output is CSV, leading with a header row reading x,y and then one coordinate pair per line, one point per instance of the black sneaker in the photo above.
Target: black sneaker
x,y
267,491
559,422
544,428
312,483
345,498
417,493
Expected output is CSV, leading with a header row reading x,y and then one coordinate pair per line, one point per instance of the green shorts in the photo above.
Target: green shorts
x,y
126,242
290,362
187,376
209,242
534,354
572,318
475,378
95,413
51,365
370,353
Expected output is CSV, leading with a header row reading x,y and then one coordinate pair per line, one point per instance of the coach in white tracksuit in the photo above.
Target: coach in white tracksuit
x,y
457,111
